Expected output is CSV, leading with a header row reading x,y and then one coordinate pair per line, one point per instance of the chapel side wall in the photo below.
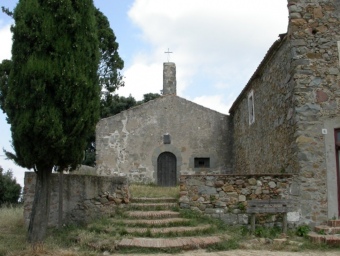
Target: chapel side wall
x,y
314,31
268,144
85,197
130,142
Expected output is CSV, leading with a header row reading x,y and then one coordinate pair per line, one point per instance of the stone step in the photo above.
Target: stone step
x,y
327,230
154,200
158,206
176,230
185,243
333,240
154,222
333,223
153,214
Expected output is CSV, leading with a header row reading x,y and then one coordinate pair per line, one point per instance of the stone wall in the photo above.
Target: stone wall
x,y
314,32
268,144
296,109
85,197
226,196
130,142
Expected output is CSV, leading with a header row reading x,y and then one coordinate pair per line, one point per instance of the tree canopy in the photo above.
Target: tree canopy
x,y
9,188
50,91
53,95
108,72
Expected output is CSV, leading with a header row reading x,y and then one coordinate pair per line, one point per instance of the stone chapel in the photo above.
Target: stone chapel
x,y
158,141
281,138
285,120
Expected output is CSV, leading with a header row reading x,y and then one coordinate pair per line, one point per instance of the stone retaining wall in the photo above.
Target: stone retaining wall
x,y
226,196
85,197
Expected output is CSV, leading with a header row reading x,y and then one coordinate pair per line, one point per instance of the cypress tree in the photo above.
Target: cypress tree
x,y
52,101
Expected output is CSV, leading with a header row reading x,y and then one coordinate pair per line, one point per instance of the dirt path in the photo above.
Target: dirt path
x,y
243,253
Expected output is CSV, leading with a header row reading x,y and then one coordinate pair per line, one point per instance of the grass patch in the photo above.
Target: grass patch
x,y
140,190
225,245
12,230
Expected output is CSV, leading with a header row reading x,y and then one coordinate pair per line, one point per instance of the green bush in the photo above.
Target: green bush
x,y
302,230
9,188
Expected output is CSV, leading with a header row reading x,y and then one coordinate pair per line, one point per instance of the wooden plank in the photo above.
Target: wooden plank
x,y
252,223
269,206
268,210
284,223
271,201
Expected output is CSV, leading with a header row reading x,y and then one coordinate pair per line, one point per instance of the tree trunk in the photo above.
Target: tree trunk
x,y
41,206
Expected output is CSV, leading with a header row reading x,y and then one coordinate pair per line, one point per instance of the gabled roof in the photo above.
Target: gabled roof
x,y
164,97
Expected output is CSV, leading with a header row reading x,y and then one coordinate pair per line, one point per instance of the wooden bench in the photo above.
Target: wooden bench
x,y
269,206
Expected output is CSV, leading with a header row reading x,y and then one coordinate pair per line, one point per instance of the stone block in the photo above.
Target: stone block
x,y
219,184
242,198
272,184
245,191
184,199
220,204
252,181
243,219
239,182
184,206
210,183
293,216
229,218
258,191
228,188
205,190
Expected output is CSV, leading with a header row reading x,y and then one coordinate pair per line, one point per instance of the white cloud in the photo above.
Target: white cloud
x,y
5,42
215,102
220,42
142,78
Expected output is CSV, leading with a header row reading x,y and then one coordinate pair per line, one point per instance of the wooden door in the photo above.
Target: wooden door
x,y
166,170
337,156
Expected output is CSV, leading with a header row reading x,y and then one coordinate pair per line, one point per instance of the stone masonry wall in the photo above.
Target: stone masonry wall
x,y
130,142
226,196
297,109
314,32
85,197
268,144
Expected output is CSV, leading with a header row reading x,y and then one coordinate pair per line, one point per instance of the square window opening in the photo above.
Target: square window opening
x,y
202,162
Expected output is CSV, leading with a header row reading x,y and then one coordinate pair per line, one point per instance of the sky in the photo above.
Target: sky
x,y
216,46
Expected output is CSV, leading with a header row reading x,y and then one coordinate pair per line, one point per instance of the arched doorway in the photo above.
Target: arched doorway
x,y
166,170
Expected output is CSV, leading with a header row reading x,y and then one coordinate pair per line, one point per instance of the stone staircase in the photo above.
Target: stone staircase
x,y
328,234
155,223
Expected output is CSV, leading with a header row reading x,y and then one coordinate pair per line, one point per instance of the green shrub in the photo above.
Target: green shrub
x,y
302,230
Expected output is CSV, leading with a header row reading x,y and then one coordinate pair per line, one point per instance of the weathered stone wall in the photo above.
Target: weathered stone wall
x,y
130,142
85,197
297,107
226,196
314,32
268,144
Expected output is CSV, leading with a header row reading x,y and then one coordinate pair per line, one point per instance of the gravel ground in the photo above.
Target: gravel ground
x,y
243,253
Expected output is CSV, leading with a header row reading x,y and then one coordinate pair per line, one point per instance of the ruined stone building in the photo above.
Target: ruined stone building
x,y
286,120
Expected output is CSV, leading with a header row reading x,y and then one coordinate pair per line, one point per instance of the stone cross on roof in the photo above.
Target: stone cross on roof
x,y
168,52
